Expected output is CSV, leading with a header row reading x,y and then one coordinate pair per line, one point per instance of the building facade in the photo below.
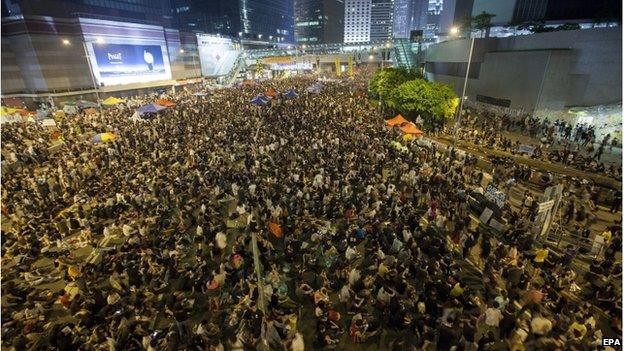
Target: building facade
x,y
538,73
402,18
381,20
271,21
357,23
156,12
319,21
60,55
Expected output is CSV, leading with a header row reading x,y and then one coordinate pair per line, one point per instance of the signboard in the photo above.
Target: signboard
x,y
126,63
526,149
291,66
545,206
496,196
486,215
217,55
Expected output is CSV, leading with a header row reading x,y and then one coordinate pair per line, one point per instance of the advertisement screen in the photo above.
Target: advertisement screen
x,y
124,63
217,55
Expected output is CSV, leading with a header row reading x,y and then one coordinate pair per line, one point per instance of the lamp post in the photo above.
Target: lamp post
x,y
455,31
99,40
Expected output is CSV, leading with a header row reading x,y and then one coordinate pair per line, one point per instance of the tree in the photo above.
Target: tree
x,y
433,101
383,81
483,22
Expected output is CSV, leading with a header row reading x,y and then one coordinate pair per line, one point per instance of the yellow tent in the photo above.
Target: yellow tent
x,y
4,111
112,101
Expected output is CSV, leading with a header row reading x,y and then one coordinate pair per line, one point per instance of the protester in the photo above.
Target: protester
x,y
157,239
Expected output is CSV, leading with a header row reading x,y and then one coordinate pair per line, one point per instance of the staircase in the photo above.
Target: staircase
x,y
237,67
404,57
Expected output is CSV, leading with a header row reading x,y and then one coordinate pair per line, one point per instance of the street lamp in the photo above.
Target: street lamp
x,y
463,95
99,40
66,42
181,51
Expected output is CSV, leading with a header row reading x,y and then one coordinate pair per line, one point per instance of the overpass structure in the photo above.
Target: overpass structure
x,y
328,57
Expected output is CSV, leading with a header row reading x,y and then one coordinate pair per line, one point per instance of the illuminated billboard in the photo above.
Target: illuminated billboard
x,y
217,55
126,63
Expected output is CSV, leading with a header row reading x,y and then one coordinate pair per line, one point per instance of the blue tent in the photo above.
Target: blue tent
x,y
290,94
151,108
259,100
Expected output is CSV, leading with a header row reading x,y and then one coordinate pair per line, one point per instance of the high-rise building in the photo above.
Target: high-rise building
x,y
264,20
138,11
432,28
402,18
319,21
529,10
420,9
357,22
381,20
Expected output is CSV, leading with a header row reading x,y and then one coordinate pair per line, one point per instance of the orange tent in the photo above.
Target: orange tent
x,y
271,92
90,111
410,128
275,229
398,120
164,102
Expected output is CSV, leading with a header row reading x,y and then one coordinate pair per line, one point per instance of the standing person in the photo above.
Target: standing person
x,y
616,201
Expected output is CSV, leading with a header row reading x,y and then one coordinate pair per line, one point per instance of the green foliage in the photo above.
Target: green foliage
x,y
433,101
383,81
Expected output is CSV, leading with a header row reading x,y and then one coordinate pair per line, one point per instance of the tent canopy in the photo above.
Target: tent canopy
x,y
150,108
259,100
291,94
103,137
164,102
410,128
112,101
398,120
4,111
271,92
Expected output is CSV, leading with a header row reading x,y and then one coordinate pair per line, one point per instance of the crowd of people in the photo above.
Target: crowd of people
x,y
149,241
559,141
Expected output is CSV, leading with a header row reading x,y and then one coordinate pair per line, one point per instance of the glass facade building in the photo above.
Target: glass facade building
x,y
319,21
264,20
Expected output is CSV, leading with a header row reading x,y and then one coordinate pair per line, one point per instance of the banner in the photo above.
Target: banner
x,y
337,67
125,63
350,66
217,55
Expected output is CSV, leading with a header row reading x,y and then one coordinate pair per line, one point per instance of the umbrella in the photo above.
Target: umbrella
x,y
151,108
112,101
291,94
276,229
164,102
258,100
103,137
10,111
